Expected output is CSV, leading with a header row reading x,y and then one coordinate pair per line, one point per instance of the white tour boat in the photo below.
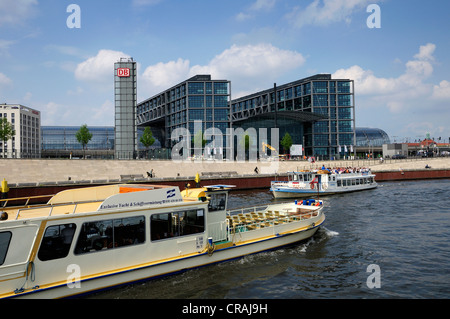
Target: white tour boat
x,y
95,238
323,182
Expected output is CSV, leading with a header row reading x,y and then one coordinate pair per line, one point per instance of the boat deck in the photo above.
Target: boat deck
x,y
241,220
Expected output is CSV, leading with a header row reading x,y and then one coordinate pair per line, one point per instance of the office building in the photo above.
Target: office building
x,y
199,98
125,96
318,113
26,123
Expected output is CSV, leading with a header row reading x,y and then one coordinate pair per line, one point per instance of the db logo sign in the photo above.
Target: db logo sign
x,y
123,72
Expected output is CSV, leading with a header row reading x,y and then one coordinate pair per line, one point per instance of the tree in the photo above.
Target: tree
x,y
6,132
83,136
147,138
286,142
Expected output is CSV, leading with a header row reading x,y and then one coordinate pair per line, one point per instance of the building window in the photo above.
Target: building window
x,y
196,101
220,88
344,113
345,126
195,115
306,88
221,115
208,89
176,224
320,87
220,101
343,87
298,91
56,242
320,99
321,127
195,88
344,100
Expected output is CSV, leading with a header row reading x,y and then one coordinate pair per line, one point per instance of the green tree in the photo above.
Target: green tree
x,y
286,142
83,137
147,138
6,132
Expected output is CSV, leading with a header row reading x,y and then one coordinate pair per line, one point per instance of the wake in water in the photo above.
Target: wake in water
x,y
329,233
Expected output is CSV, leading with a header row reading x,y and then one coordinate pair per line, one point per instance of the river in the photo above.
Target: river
x,y
390,242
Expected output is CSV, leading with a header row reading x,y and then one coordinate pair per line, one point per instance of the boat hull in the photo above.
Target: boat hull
x,y
121,277
299,193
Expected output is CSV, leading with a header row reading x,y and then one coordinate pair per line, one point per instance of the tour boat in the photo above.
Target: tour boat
x,y
324,182
90,239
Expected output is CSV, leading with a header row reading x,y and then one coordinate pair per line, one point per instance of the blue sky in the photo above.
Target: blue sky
x,y
401,70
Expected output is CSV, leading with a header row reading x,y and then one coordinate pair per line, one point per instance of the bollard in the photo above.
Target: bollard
x,y
5,189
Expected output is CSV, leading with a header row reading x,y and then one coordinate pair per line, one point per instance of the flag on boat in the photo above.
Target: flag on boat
x,y
314,181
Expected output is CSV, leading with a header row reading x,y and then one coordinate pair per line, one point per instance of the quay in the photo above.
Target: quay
x,y
34,177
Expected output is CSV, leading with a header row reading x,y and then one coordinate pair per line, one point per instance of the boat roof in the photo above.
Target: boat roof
x,y
100,198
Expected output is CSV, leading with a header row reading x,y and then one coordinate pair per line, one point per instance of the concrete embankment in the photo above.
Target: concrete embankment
x,y
29,177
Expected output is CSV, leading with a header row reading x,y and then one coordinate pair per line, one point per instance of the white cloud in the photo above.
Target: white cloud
x,y
325,12
442,91
258,5
17,11
55,114
139,3
251,61
408,104
263,5
4,80
397,90
241,16
245,66
99,68
426,52
163,75
105,113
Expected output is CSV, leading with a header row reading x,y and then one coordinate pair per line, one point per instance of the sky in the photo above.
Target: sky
x,y
58,56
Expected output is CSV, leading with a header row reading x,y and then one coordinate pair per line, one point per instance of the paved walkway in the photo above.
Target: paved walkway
x,y
20,171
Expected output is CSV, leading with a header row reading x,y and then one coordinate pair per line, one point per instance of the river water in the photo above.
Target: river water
x,y
390,242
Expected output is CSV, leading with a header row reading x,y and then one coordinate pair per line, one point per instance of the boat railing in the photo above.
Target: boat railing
x,y
41,210
242,222
26,200
245,210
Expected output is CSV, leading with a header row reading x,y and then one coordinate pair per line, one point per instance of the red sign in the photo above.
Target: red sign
x,y
123,72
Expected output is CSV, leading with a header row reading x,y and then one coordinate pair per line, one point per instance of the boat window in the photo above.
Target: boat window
x,y
56,242
339,183
169,225
5,239
217,202
111,233
295,177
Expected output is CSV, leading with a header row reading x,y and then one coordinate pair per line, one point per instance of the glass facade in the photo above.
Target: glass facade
x,y
64,138
330,99
369,137
125,76
197,99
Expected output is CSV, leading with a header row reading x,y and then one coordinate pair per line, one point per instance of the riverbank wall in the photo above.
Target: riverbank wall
x,y
33,177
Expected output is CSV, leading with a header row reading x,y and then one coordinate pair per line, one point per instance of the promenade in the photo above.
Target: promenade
x,y
23,172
